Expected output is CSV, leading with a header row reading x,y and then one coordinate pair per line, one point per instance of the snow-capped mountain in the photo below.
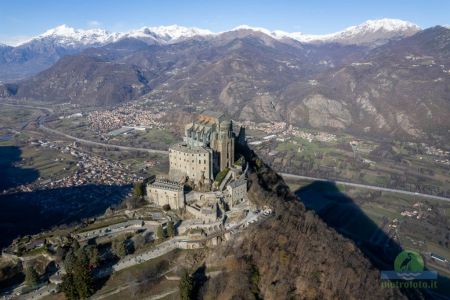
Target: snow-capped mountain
x,y
64,35
166,33
69,37
276,34
42,51
371,31
367,32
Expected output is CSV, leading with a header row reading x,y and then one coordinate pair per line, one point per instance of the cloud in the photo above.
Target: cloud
x,y
94,23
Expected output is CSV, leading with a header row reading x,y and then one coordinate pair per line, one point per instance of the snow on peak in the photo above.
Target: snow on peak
x,y
167,33
66,35
176,32
61,30
388,25
277,34
369,31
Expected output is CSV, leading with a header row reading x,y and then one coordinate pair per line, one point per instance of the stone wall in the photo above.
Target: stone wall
x,y
190,161
161,197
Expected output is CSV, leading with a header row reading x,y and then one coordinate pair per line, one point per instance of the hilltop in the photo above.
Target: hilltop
x,y
291,255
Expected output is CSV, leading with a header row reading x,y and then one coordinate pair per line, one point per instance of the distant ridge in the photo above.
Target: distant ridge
x,y
65,35
40,52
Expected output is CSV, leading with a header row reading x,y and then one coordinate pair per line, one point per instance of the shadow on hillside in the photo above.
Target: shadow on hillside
x,y
340,212
26,213
10,175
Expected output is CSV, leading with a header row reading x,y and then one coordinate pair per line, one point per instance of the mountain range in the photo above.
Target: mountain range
x,y
40,52
386,78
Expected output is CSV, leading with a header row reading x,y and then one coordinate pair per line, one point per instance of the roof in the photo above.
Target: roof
x,y
213,114
183,147
237,183
434,255
166,185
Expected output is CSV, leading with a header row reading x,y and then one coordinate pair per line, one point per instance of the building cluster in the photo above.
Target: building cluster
x,y
96,169
203,179
432,150
108,120
267,127
419,211
282,132
444,156
89,169
319,136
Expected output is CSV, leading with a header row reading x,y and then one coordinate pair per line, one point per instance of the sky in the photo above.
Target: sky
x,y
22,19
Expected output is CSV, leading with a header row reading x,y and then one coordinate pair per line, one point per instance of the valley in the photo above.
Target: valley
x,y
413,221
172,162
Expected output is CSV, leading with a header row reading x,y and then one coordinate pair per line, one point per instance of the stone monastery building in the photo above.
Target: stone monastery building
x,y
208,148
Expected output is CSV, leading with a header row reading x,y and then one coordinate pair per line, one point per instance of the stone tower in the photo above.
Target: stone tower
x,y
241,139
214,131
225,145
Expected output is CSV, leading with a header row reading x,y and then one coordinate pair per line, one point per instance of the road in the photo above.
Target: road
x,y
29,106
285,175
159,250
42,292
173,243
92,143
364,186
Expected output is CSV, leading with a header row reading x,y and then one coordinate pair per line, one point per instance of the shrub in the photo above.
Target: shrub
x,y
221,175
77,283
31,277
138,189
160,233
170,229
119,248
186,286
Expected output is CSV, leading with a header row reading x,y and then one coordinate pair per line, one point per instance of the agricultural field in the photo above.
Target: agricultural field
x,y
152,138
400,165
413,222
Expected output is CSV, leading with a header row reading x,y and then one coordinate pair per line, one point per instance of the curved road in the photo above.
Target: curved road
x,y
285,175
92,143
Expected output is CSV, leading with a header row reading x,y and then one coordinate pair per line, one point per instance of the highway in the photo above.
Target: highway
x,y
92,143
364,186
285,175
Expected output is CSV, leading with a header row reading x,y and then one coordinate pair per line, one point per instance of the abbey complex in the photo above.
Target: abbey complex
x,y
203,175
